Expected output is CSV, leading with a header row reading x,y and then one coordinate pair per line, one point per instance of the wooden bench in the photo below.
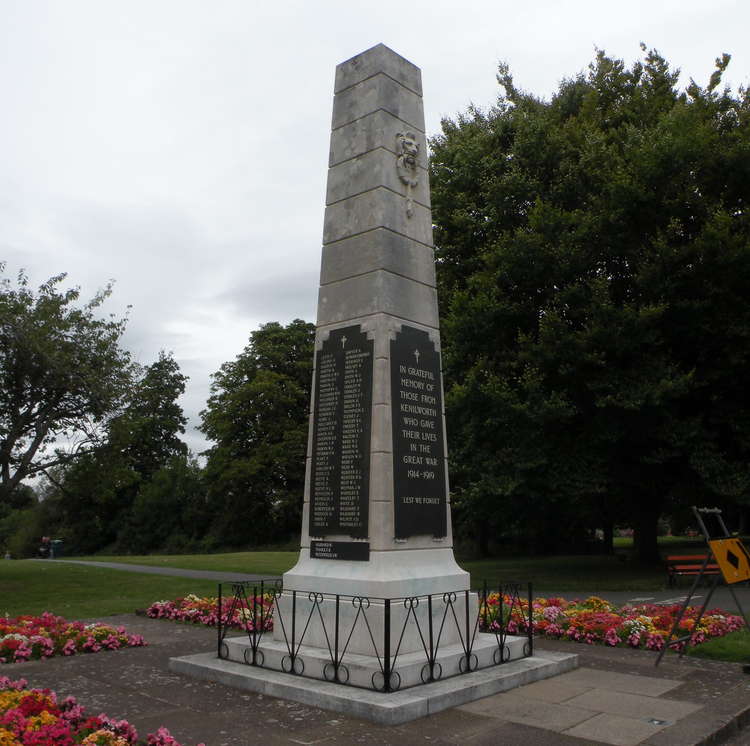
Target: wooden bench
x,y
688,564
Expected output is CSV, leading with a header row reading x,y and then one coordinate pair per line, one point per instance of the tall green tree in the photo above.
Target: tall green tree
x,y
63,374
594,262
171,511
98,492
257,417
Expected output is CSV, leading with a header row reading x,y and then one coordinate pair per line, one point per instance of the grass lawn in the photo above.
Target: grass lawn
x,y
562,573
81,592
573,573
733,647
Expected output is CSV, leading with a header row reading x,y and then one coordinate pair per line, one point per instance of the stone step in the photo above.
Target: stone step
x,y
409,669
388,709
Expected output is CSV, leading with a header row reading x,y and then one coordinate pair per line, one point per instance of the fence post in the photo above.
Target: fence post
x,y
218,625
387,647
293,654
468,639
484,606
531,622
336,642
255,619
432,643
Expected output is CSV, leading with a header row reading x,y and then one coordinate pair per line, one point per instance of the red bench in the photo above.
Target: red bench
x,y
688,564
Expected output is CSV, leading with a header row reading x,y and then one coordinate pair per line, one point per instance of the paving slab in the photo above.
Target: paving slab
x,y
518,708
593,678
557,689
616,730
634,705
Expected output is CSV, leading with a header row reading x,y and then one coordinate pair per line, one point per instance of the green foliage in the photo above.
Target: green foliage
x,y
62,375
110,495
171,510
257,417
81,592
734,647
593,265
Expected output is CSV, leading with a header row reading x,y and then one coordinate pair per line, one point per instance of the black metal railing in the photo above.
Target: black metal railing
x,y
427,620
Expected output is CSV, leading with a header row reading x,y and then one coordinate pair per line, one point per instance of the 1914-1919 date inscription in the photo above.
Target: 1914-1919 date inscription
x,y
340,476
419,473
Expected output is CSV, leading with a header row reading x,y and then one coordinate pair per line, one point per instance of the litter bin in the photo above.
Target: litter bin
x,y
56,550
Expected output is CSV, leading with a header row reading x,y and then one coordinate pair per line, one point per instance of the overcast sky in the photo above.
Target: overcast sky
x,y
180,148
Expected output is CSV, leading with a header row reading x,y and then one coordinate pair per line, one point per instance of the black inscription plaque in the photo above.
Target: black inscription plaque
x,y
419,469
340,477
358,551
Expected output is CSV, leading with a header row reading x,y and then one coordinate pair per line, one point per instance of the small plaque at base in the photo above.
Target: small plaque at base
x,y
357,551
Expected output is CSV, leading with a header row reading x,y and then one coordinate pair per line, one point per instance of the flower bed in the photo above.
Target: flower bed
x,y
205,611
591,621
34,717
598,621
26,637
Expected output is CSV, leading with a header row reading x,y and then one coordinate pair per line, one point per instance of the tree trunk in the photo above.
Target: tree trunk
x,y
645,536
609,535
484,539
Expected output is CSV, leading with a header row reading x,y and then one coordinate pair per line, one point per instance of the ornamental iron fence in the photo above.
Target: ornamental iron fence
x,y
387,630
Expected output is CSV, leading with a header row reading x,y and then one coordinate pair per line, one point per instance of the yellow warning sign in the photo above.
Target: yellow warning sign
x,y
733,559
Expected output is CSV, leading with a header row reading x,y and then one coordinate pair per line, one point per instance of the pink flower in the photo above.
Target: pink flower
x,y
611,637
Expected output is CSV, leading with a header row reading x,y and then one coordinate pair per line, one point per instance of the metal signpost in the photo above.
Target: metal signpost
x,y
733,559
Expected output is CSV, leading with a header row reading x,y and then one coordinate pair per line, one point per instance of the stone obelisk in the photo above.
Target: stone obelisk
x,y
376,576
376,518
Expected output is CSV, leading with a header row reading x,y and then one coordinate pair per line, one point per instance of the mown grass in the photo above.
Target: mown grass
x,y
83,592
733,647
572,573
561,573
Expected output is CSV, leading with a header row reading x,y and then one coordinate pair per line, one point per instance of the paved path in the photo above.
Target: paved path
x,y
722,597
222,577
616,697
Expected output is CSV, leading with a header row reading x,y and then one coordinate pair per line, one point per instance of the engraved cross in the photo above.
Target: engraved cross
x,y
343,341
416,356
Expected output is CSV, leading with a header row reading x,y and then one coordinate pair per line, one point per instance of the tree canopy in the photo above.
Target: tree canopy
x,y
593,259
257,417
63,374
130,491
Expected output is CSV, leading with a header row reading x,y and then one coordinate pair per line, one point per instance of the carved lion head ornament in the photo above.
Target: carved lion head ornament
x,y
407,150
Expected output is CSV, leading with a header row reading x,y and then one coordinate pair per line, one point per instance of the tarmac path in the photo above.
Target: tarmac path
x,y
178,572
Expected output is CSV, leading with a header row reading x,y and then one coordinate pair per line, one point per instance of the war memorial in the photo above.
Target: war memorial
x,y
376,619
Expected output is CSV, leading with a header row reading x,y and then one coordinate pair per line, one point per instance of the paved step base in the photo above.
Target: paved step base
x,y
390,708
365,670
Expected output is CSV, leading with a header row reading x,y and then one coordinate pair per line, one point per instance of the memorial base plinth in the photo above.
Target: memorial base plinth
x,y
390,708
392,574
360,622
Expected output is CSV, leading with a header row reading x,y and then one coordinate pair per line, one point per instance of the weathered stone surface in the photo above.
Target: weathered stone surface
x,y
378,92
375,60
373,169
380,248
376,130
364,295
378,208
